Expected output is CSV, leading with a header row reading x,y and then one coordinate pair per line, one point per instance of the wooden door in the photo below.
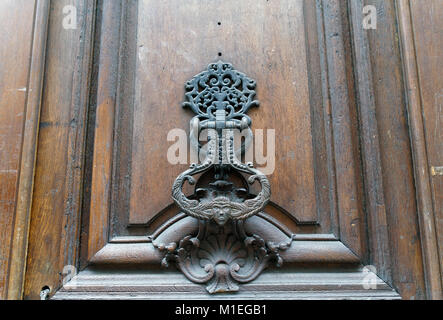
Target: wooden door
x,y
343,191
299,60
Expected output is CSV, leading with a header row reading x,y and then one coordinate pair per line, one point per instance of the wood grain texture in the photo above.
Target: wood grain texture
x,y
359,189
351,220
19,245
54,229
293,284
125,67
108,63
122,82
15,61
379,249
395,154
420,156
178,39
127,193
427,22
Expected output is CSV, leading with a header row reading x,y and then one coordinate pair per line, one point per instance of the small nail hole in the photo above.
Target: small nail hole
x,y
219,54
45,292
219,23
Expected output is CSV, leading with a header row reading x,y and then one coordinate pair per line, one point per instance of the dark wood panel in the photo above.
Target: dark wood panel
x,y
374,184
54,230
107,61
395,154
175,41
15,54
22,217
427,21
296,284
344,144
115,93
315,251
377,229
431,259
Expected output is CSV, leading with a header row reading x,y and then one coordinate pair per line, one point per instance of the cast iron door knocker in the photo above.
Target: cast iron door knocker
x,y
221,254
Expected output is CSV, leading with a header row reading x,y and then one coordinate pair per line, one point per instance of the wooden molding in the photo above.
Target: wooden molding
x,y
104,128
351,220
318,252
28,155
57,195
375,202
421,170
307,248
342,179
292,284
46,228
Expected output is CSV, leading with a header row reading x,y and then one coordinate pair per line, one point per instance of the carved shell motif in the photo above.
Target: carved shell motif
x,y
223,256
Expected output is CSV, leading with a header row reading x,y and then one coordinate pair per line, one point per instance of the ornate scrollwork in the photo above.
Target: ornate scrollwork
x,y
222,254
220,87
221,208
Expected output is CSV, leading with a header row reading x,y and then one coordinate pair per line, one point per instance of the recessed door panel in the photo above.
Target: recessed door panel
x,y
143,65
175,40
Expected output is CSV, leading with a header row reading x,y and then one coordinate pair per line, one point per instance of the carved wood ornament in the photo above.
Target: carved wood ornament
x,y
221,254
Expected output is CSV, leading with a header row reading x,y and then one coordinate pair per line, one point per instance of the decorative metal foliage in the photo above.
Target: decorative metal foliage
x,y
222,254
220,87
